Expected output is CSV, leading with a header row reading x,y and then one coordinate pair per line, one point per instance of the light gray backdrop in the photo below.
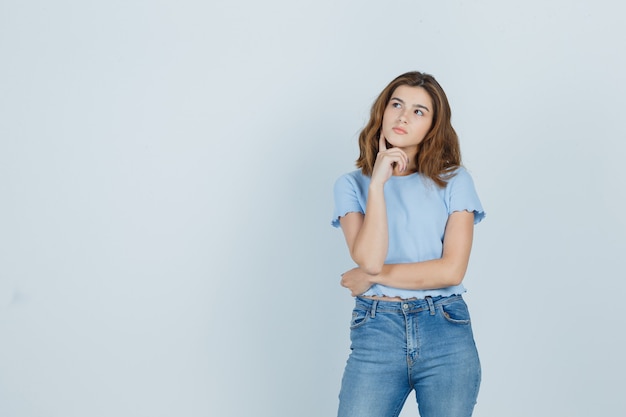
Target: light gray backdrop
x,y
166,171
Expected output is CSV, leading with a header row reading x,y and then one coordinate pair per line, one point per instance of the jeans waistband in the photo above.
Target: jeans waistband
x,y
405,306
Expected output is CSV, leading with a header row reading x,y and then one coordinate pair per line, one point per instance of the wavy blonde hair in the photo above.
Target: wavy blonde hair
x,y
439,154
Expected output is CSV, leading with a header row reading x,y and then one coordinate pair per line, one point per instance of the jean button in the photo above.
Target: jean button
x,y
405,306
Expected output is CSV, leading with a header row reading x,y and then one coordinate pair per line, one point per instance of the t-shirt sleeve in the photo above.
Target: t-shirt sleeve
x,y
463,197
346,198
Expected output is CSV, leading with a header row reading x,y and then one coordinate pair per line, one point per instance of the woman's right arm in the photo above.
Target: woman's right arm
x,y
367,234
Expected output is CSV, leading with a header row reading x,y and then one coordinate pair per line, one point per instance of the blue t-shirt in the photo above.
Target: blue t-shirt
x,y
417,212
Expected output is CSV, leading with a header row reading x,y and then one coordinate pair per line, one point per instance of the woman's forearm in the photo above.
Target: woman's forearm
x,y
370,246
427,275
443,272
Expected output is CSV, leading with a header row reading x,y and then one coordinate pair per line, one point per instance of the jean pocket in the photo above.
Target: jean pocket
x,y
359,318
456,312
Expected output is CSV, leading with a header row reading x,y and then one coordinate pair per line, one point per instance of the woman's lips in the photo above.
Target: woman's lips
x,y
399,130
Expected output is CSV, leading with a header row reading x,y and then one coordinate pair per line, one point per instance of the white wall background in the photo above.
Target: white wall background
x,y
166,170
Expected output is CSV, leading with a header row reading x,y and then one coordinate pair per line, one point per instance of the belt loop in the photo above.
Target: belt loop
x,y
431,306
373,310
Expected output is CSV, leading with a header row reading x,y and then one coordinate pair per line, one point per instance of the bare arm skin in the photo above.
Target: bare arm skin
x,y
437,273
367,235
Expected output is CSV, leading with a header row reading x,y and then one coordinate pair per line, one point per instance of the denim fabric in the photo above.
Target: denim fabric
x,y
424,345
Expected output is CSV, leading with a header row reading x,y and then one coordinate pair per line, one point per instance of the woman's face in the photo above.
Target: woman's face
x,y
408,117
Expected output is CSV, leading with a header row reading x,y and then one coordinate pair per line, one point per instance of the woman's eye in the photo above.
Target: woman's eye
x,y
419,112
395,105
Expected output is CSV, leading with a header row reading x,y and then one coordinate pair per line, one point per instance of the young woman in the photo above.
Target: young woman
x,y
408,216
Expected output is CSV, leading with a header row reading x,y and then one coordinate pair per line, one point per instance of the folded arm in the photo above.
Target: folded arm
x,y
446,271
366,235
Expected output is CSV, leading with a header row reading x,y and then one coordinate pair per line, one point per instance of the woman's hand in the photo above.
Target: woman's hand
x,y
356,280
387,160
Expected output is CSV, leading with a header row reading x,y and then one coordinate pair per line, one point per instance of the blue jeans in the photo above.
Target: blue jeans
x,y
423,345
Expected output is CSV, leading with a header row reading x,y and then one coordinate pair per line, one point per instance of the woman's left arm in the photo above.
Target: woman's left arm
x,y
449,270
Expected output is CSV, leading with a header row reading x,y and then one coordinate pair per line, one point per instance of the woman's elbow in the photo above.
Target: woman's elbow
x,y
368,265
455,276
455,280
372,269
